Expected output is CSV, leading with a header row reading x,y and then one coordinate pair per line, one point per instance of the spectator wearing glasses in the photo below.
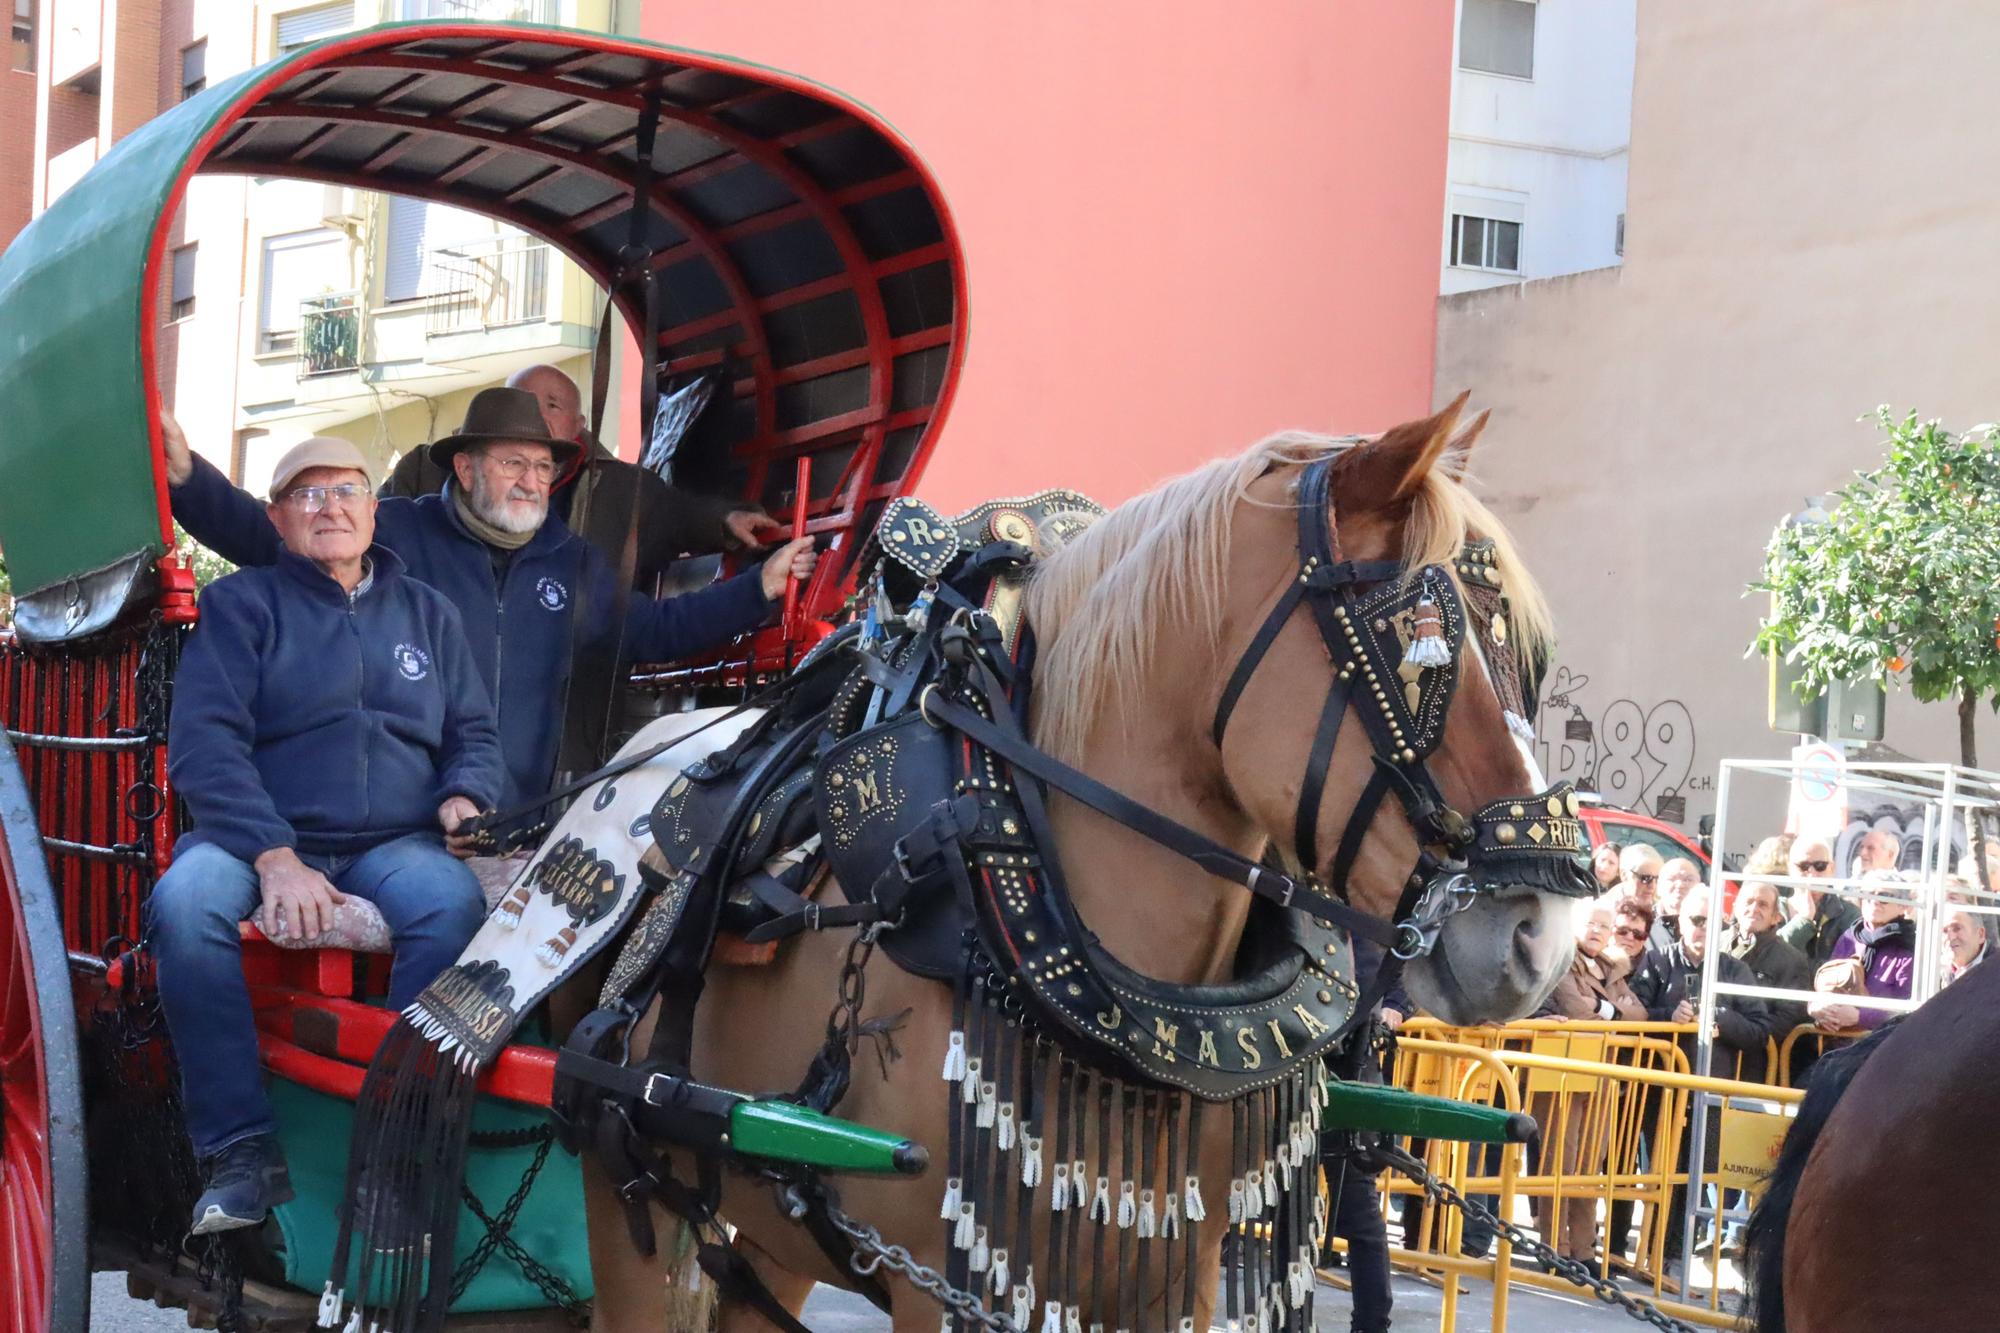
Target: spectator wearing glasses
x,y
1631,929
1676,878
1819,918
1669,983
329,728
1880,956
1604,864
1639,872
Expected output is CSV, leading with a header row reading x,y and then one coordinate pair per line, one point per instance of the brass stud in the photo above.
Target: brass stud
x,y
1409,756
1008,826
1518,811
1326,997
1505,835
1381,626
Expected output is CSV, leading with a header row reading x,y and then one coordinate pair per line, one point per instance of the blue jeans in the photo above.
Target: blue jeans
x,y
429,898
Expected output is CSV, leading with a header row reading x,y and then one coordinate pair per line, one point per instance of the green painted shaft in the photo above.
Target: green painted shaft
x,y
791,1133
1388,1110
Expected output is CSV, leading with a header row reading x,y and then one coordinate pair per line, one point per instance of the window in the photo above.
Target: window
x,y
183,302
416,232
24,36
303,27
298,266
1487,243
1498,37
194,69
1618,240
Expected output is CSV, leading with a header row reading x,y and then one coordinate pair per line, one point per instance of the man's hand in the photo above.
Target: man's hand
x,y
180,458
455,811
298,900
751,527
1392,1019
793,560
1832,1016
1684,1012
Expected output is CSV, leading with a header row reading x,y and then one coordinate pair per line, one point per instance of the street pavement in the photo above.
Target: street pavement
x,y
1418,1306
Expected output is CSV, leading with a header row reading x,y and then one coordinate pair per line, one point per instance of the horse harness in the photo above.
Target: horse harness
x,y
901,759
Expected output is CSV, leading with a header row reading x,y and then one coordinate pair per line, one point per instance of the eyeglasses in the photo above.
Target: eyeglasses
x,y
312,499
513,466
1629,933
1645,879
1813,867
1697,921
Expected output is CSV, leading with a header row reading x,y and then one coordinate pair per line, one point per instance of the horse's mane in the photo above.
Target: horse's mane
x,y
1156,562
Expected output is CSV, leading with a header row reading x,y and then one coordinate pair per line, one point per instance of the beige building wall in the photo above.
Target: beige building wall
x,y
1810,233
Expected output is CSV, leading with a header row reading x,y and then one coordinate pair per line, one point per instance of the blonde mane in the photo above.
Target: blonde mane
x,y
1156,564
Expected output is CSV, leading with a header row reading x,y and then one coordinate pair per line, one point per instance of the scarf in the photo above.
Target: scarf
x,y
1899,936
489,533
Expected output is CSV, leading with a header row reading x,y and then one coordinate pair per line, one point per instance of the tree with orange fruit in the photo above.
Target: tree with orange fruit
x,y
1901,584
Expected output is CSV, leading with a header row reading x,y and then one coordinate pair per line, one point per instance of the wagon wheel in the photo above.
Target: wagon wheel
x,y
44,1241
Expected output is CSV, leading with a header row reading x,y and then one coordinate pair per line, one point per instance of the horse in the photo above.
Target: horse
x,y
1880,1208
1140,619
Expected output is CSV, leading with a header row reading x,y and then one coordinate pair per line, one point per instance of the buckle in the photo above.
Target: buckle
x,y
653,1080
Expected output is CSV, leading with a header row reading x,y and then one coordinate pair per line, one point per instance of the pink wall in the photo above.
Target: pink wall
x,y
1185,226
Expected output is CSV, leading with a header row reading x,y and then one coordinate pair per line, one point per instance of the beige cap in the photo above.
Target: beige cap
x,y
317,451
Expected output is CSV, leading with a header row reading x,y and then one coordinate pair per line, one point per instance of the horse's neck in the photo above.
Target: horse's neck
x,y
1153,910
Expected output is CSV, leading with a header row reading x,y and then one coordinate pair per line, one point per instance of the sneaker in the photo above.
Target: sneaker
x,y
244,1182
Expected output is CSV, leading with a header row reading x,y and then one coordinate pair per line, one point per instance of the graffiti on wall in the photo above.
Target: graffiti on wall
x,y
1638,756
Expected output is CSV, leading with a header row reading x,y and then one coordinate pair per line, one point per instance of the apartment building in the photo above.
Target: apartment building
x,y
1541,127
297,308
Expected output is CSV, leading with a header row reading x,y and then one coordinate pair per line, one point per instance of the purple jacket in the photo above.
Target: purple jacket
x,y
1889,963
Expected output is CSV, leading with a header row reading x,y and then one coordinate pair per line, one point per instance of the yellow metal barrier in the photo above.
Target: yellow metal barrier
x,y
1613,1126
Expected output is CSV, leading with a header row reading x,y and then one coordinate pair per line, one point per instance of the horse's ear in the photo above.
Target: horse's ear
x,y
1394,466
1458,454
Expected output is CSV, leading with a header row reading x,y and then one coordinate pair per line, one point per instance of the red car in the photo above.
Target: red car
x,y
1625,827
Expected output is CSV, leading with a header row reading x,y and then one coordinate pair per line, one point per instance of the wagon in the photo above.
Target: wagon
x,y
790,248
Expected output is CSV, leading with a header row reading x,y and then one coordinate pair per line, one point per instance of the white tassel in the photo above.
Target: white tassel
x,y
1187,1326
954,1057
1147,1228
944,1324
1429,647
1236,1199
1071,1320
1100,1203
961,1235
1250,1322
1024,1306
1052,1318
949,1209
1004,1134
970,1083
988,1107
353,1322
1128,1206
1059,1191
980,1258
1077,1177
1520,726
998,1272
1170,1217
1253,1195
1285,1166
329,1306
1031,1161
1196,1210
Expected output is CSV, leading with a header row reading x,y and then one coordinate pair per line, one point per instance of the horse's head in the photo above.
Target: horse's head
x,y
1428,647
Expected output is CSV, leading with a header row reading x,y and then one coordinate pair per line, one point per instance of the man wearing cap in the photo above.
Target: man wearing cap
x,y
515,572
329,727
672,521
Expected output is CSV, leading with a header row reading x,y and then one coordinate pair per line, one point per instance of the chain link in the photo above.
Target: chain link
x,y
499,1232
1534,1247
872,1253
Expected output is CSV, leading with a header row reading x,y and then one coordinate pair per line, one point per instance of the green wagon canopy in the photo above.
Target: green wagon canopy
x,y
796,245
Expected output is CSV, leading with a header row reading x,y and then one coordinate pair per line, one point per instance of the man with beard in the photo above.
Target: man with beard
x,y
672,520
517,575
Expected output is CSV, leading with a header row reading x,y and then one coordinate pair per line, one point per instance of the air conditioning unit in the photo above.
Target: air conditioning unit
x,y
341,207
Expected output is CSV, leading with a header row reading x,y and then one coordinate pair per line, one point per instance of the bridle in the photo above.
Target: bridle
x,y
1392,639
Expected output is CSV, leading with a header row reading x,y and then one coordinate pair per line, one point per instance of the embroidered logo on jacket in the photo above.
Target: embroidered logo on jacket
x,y
412,661
552,594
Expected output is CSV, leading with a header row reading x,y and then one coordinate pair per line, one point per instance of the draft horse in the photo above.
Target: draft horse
x,y
1130,1045
1880,1212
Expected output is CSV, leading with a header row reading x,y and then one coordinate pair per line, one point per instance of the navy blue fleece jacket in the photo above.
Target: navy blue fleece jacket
x,y
519,624
304,717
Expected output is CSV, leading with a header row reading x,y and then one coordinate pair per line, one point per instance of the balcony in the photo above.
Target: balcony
x,y
489,284
329,338
498,11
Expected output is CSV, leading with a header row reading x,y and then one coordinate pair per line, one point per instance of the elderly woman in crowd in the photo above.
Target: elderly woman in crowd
x,y
1876,956
1593,990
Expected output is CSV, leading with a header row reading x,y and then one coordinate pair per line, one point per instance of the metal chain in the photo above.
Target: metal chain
x,y
871,1253
499,1234
1533,1246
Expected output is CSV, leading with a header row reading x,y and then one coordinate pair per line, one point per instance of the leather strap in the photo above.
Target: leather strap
x,y
1183,841
1312,788
797,913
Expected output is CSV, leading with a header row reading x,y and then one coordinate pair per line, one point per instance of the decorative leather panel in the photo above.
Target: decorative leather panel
x,y
1411,701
